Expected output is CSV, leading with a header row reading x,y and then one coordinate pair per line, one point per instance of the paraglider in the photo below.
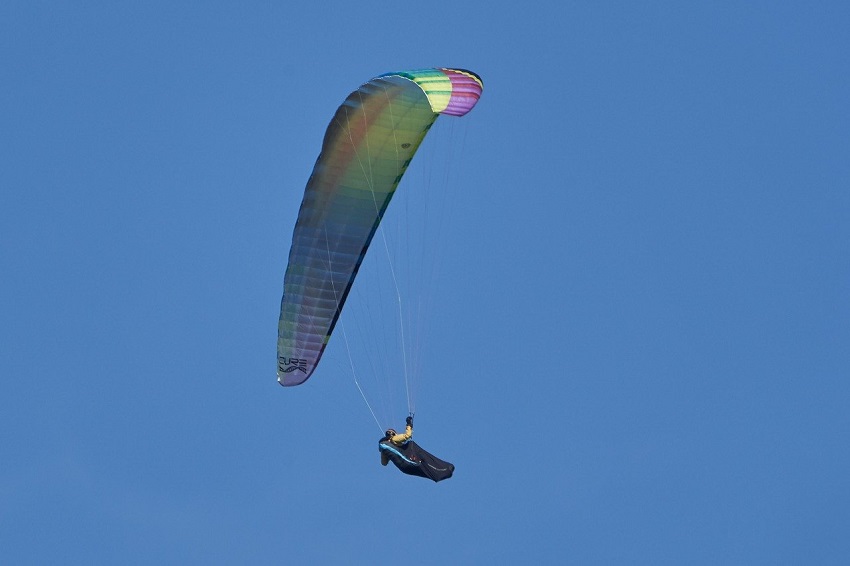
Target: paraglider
x,y
411,458
367,148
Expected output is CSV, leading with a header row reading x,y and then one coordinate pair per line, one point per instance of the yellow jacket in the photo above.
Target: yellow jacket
x,y
398,440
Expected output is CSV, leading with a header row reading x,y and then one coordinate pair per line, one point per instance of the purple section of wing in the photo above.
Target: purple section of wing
x,y
466,90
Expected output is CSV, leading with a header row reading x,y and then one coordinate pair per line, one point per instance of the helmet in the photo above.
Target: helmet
x,y
390,432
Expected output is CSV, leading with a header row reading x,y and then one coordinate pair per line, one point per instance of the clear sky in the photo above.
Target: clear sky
x,y
640,331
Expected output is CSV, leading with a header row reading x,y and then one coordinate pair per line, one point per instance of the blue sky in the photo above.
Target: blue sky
x,y
638,347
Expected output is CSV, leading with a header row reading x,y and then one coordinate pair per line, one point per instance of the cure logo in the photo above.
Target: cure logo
x,y
288,365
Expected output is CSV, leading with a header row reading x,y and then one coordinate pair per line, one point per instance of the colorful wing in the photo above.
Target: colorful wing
x,y
367,148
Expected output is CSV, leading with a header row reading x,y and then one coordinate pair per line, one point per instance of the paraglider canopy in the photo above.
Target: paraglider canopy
x,y
368,146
